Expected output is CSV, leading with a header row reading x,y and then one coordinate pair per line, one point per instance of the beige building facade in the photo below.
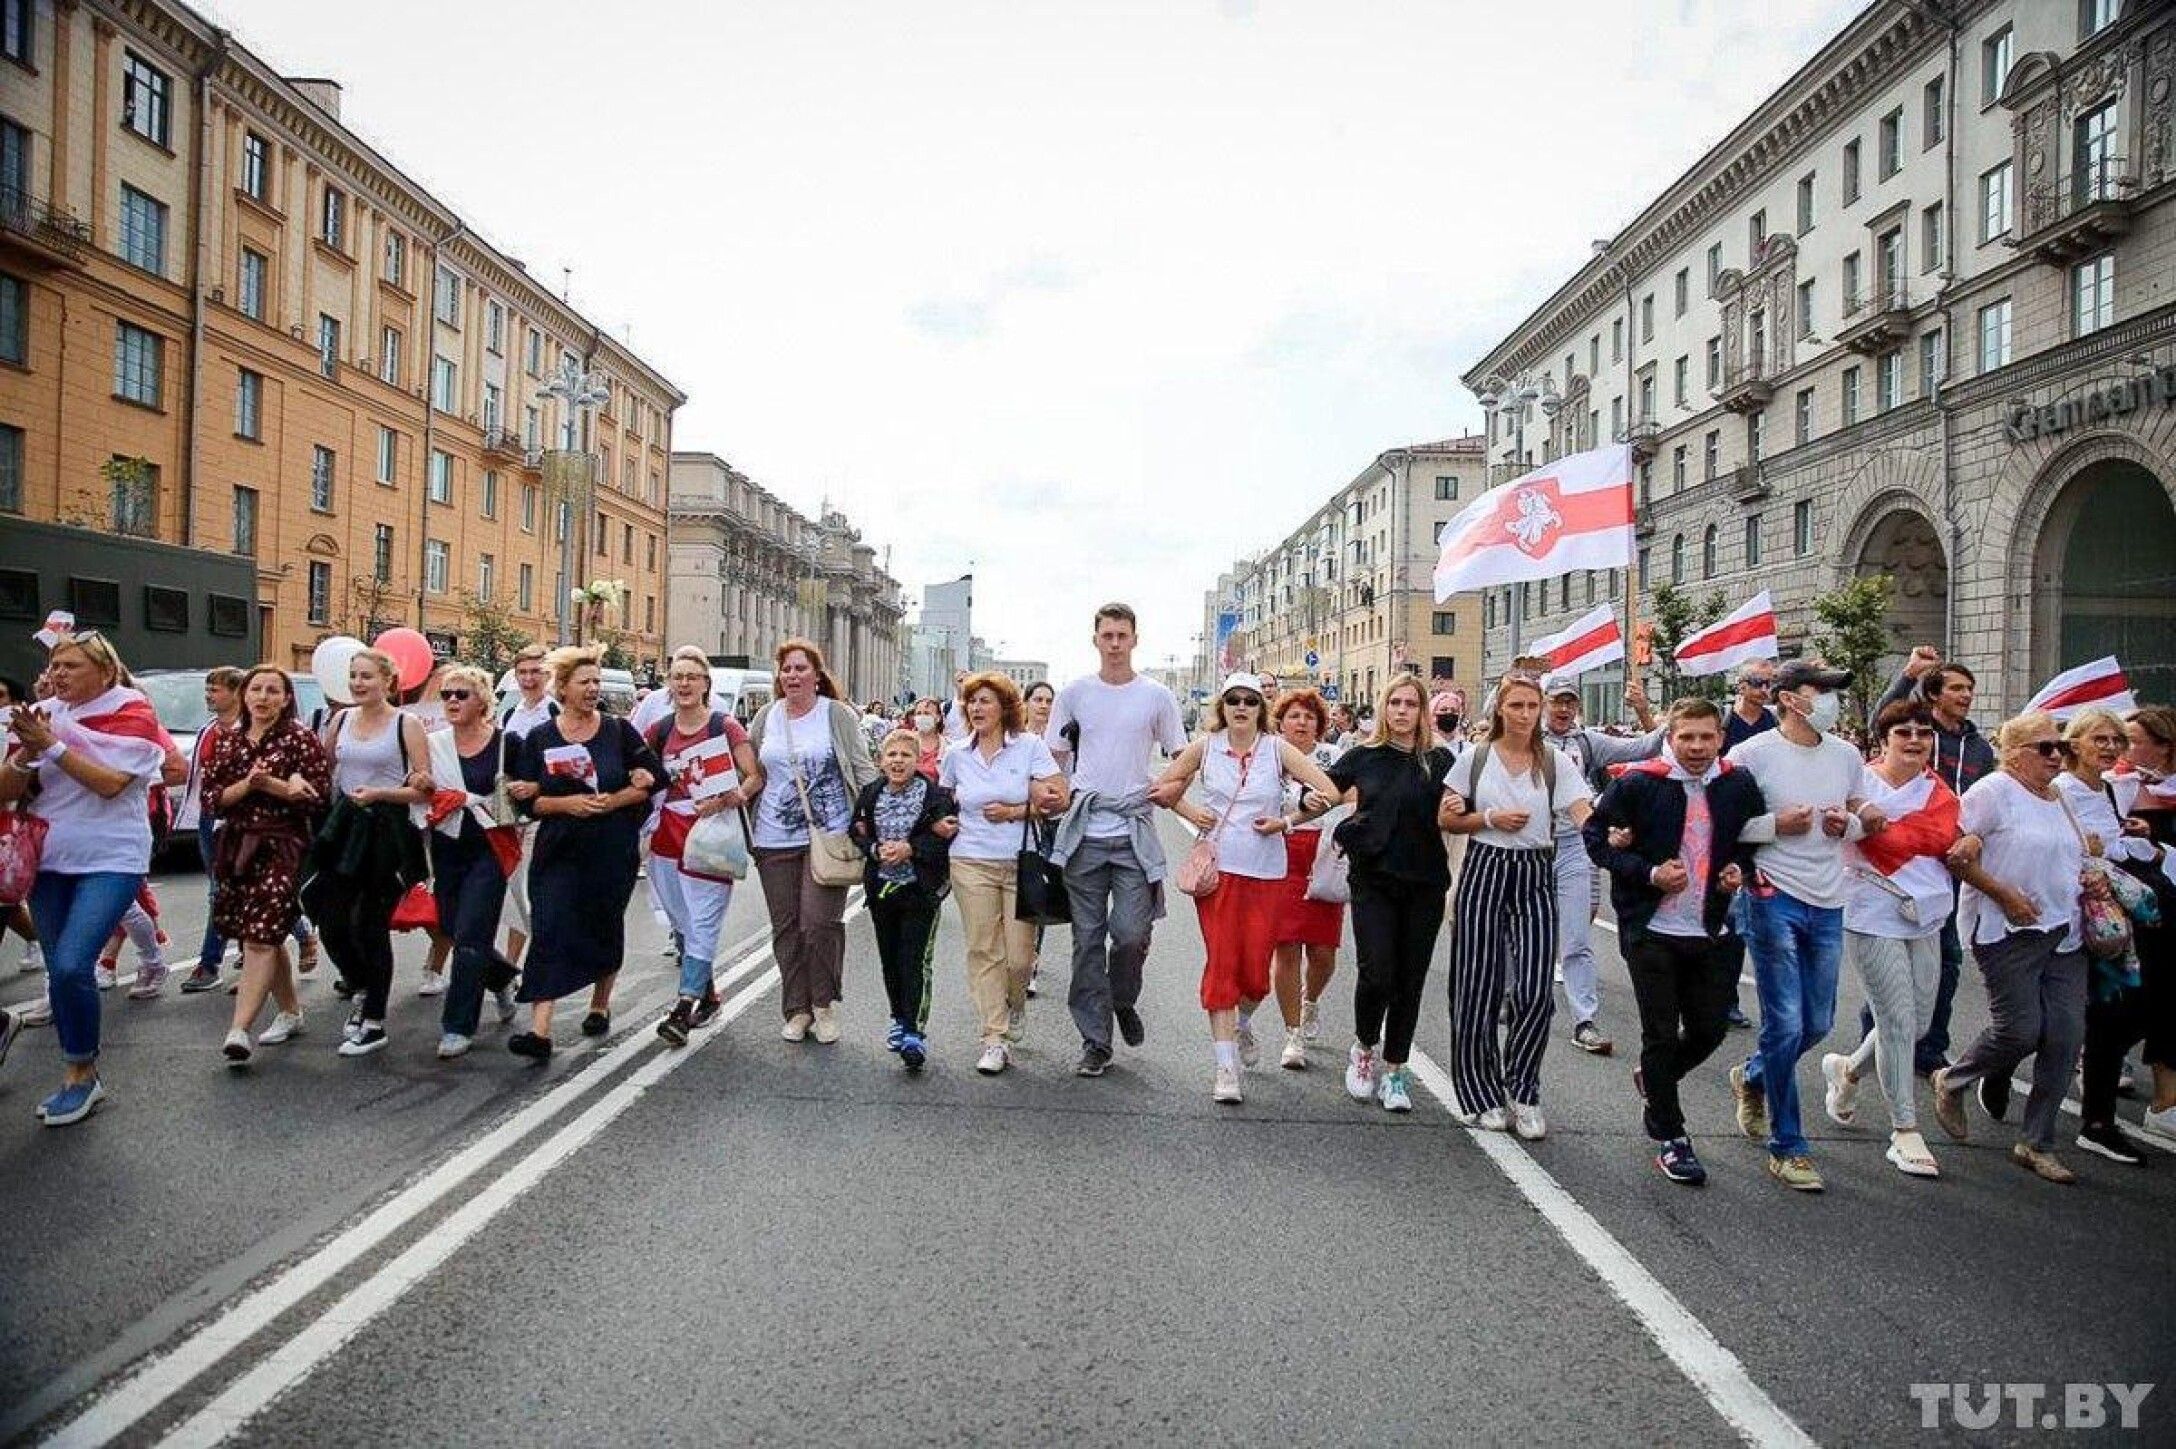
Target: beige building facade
x,y
1916,316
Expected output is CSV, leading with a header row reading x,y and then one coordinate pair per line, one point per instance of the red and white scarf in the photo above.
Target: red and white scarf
x,y
119,729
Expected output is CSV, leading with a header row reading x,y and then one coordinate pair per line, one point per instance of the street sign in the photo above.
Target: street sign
x,y
1314,660
1329,692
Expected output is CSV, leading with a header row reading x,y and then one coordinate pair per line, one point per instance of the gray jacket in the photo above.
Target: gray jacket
x,y
847,742
1133,807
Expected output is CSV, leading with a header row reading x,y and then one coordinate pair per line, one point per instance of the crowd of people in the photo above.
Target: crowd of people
x,y
517,834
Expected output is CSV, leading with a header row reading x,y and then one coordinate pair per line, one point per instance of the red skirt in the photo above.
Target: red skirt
x,y
1300,921
1239,927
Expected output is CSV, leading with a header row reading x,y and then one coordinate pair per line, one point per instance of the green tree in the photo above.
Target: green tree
x,y
489,639
1675,614
1854,634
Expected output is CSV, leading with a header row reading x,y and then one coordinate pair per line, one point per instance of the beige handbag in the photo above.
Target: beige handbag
x,y
833,858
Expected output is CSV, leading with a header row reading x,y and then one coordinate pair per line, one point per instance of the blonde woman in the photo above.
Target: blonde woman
x,y
471,847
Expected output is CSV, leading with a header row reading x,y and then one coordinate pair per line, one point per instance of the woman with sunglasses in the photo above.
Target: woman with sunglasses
x,y
2023,865
1893,919
473,847
1243,770
2146,780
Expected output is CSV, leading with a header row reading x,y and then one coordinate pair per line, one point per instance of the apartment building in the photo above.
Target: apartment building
x,y
227,322
1916,315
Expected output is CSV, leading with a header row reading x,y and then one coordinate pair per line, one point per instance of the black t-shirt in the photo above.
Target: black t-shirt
x,y
1393,829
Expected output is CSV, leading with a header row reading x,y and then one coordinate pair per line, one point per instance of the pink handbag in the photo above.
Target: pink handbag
x,y
1198,875
22,845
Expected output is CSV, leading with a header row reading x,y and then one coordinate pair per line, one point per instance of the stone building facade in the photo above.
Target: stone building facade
x,y
1916,316
227,322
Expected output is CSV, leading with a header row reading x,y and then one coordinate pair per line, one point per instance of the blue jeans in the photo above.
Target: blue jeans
x,y
75,914
1798,951
470,888
214,949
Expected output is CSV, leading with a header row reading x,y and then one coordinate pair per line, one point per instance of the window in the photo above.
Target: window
x,y
2093,294
145,97
319,608
396,258
11,470
1995,335
1752,540
437,560
446,297
1888,381
1933,362
1996,217
15,29
1932,251
1715,363
1708,552
1677,559
443,384
1802,527
649,548
245,522
490,506
1994,65
248,405
495,326
1805,203
1680,372
534,362
1647,396
1933,113
1594,355
441,479
381,555
14,320
1889,265
1851,171
1851,396
528,508
321,478
390,347
388,454
1682,291
627,543
256,165
1677,468
1854,292
1711,453
494,407
1443,622
2093,141
525,588
139,369
1715,266
1647,318
2094,16
1756,232
250,285
136,500
1805,310
1616,340
1643,568
1889,147
1756,436
328,345
604,538
333,219
1488,611
1446,487
1616,417
532,427
143,231
486,568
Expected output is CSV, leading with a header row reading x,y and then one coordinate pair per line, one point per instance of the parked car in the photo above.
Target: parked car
x,y
178,697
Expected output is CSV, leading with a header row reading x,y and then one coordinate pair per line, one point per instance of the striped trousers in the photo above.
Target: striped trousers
x,y
1503,940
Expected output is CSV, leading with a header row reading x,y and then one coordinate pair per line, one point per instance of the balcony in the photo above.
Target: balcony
x,y
1747,387
505,442
35,227
1748,483
1878,320
1641,435
2080,213
1643,520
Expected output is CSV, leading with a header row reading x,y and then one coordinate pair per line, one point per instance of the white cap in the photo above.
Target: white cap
x,y
1241,681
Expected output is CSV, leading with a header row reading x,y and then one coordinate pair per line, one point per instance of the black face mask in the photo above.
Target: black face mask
x,y
1447,724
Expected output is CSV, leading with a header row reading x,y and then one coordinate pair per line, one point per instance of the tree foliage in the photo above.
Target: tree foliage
x,y
1854,634
489,638
1676,614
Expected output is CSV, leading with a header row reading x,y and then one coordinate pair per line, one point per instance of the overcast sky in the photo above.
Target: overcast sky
x,y
1091,296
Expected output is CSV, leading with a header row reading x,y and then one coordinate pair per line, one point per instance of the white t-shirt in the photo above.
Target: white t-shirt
x,y
1001,780
522,718
90,834
1807,867
2029,845
1877,909
1324,755
1500,790
1118,725
781,823
1240,849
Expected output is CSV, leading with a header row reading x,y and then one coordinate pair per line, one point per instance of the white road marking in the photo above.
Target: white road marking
x,y
1718,1373
167,1375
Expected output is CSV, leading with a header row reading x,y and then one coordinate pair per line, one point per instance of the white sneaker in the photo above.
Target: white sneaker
x,y
503,1002
994,1059
2161,1124
1842,1090
150,982
1250,1050
353,1026
1360,1073
237,1048
1311,1020
1495,1119
433,984
826,1029
1527,1121
1225,1088
40,1013
1294,1056
105,977
33,958
452,1044
1394,1093
285,1024
796,1027
1035,982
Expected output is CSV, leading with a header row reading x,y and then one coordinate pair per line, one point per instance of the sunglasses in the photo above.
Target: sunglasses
x,y
1242,701
2046,749
1763,685
450,695
1912,731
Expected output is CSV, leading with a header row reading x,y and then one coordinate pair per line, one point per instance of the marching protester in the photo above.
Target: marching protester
x,y
1898,907
2147,782
1106,844
474,846
1513,795
1001,779
814,765
904,824
1398,873
695,903
86,758
930,742
1749,712
1672,886
2023,862
1305,928
587,777
270,782
1036,701
1243,770
533,705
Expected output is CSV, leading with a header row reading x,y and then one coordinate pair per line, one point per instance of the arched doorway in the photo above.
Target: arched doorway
x,y
2104,578
1904,545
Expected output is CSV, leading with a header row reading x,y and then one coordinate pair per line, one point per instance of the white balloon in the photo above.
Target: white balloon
x,y
329,665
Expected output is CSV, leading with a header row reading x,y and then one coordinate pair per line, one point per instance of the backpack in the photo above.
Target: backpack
x,y
662,730
1544,752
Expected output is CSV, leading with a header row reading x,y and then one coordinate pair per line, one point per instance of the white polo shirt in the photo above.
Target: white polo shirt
x,y
1001,780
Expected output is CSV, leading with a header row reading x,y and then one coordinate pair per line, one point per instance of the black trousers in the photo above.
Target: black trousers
x,y
355,921
905,920
1685,987
1394,926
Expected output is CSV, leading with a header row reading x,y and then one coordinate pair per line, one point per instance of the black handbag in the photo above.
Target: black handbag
x,y
1039,886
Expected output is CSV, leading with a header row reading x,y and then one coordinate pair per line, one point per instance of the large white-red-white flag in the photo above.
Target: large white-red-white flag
x,y
1574,513
2099,685
1746,632
1587,643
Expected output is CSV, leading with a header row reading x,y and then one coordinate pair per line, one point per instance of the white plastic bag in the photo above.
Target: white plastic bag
x,y
1329,878
716,847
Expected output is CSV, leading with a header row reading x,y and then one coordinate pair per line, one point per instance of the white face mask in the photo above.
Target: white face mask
x,y
927,724
1823,711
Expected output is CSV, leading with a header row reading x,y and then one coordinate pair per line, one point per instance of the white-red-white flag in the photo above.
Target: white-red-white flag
x,y
1574,513
1587,643
1746,632
2099,685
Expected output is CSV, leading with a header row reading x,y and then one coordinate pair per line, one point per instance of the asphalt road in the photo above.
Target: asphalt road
x,y
750,1240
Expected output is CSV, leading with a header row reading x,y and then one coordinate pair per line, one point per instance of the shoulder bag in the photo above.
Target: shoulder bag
x,y
1039,896
2106,929
833,858
1198,875
1329,879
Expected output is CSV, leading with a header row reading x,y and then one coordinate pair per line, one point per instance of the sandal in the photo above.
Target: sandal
x,y
1908,1153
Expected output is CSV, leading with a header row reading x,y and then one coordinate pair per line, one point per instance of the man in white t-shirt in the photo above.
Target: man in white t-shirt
x,y
1114,866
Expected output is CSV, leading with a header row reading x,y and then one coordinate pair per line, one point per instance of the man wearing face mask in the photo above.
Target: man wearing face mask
x,y
1448,709
1815,788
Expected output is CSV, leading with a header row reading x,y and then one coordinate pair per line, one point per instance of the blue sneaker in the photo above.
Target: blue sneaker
x,y
1677,1162
72,1104
913,1050
895,1036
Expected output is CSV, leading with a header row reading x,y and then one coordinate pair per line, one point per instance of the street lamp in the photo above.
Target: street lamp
x,y
1514,399
581,392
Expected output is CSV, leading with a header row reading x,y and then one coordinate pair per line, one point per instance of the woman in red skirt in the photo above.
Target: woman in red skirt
x,y
1242,772
1316,928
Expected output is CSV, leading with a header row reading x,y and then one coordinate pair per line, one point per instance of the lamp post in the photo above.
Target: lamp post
x,y
1514,399
581,392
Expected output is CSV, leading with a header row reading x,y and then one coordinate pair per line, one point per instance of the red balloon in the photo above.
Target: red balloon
x,y
410,653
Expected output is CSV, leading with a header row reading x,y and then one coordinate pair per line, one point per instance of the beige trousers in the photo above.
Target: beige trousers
x,y
1000,950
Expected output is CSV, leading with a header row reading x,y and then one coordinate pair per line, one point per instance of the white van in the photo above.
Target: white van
x,y
616,696
740,692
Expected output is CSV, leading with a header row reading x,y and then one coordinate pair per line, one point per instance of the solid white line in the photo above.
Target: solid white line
x,y
167,1375
1717,1372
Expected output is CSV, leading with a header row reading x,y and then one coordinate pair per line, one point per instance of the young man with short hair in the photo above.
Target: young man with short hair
x,y
1106,842
1749,713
